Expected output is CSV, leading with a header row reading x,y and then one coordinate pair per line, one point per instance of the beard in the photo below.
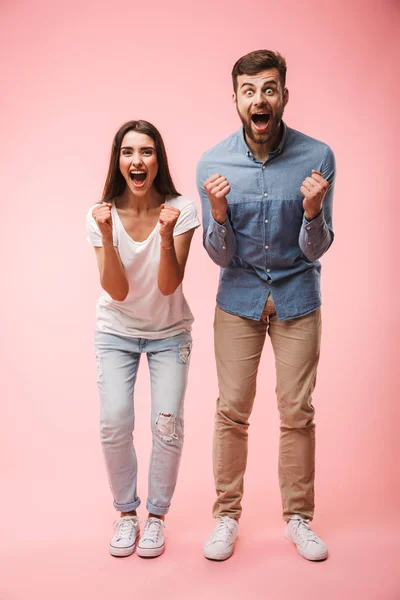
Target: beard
x,y
262,137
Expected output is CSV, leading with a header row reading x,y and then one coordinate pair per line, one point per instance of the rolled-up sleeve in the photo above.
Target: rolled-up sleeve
x,y
316,236
218,239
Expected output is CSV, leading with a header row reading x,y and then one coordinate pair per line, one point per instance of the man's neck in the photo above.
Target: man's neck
x,y
261,151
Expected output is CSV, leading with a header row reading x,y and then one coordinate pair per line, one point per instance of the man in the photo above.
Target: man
x,y
266,194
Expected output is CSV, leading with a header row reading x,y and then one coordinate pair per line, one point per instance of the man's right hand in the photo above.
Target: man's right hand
x,y
102,216
217,187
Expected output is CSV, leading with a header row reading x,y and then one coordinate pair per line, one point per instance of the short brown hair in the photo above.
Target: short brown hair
x,y
257,61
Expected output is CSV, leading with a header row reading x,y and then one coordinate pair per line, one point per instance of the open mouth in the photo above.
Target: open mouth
x,y
138,178
261,120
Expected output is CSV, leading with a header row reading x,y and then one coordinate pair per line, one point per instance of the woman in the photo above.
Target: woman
x,y
141,232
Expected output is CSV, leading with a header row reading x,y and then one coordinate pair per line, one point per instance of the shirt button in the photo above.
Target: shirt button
x,y
223,247
266,247
263,166
308,243
265,194
268,270
308,228
266,221
222,229
269,282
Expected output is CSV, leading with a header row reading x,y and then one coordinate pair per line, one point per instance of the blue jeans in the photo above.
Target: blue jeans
x,y
117,361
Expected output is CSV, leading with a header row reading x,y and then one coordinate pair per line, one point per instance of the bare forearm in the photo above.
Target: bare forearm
x,y
170,272
112,274
219,217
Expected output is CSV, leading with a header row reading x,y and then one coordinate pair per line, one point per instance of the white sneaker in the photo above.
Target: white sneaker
x,y
308,544
221,542
126,534
152,542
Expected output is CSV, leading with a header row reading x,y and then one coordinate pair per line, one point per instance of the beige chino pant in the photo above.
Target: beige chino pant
x,y
238,346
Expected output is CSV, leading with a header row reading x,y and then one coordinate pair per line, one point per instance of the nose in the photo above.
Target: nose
x,y
260,97
137,159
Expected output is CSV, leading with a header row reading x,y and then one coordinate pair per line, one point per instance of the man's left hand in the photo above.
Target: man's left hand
x,y
313,189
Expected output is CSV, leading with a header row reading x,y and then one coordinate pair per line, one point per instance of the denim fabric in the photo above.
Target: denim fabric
x,y
117,365
266,245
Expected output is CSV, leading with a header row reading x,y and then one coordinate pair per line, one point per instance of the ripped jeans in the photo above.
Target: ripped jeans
x,y
117,361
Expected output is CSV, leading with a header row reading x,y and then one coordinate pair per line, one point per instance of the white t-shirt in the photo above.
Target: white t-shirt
x,y
145,312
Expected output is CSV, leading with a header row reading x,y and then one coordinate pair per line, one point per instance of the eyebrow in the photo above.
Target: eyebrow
x,y
269,82
142,148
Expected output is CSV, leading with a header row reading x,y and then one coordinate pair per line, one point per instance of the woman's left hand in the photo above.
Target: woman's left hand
x,y
168,219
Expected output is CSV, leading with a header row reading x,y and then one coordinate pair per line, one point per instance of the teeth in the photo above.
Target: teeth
x,y
138,176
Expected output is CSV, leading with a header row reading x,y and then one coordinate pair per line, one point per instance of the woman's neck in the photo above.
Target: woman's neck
x,y
140,204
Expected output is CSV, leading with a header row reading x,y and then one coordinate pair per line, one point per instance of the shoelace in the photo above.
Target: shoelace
x,y
223,532
125,527
305,532
152,529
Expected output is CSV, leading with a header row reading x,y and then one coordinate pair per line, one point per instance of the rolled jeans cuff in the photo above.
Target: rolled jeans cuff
x,y
127,507
156,510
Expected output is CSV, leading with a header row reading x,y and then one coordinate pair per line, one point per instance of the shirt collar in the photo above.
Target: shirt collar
x,y
278,150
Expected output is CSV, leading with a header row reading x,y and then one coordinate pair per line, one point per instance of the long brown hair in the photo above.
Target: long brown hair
x,y
115,182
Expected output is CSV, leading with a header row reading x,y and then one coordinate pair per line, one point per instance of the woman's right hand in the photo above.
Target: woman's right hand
x,y
102,215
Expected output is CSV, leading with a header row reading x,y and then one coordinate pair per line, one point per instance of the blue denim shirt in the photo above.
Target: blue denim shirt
x,y
266,245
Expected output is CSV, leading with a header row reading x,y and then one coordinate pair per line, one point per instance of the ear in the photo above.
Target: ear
x,y
233,97
285,96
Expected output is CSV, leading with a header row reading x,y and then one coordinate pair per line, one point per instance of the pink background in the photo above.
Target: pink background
x,y
72,72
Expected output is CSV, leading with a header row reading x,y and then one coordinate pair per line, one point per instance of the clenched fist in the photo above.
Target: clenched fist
x,y
217,188
168,218
102,215
313,189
